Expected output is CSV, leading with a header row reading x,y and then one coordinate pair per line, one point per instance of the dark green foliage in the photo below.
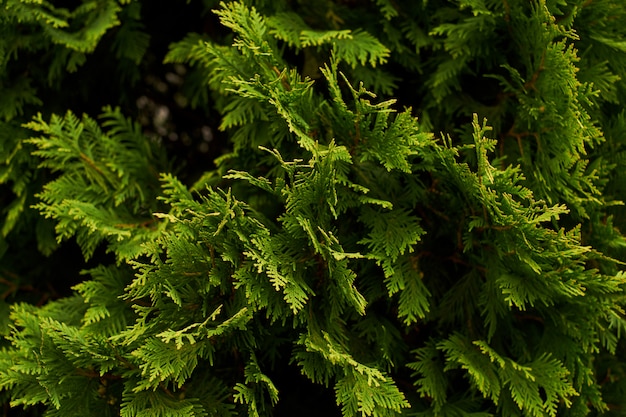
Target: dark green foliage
x,y
357,208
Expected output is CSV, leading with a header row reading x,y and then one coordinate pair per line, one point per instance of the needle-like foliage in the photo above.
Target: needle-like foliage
x,y
414,210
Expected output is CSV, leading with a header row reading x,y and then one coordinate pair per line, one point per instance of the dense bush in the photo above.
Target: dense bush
x,y
337,207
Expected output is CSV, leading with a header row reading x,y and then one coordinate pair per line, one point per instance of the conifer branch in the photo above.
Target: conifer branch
x,y
339,247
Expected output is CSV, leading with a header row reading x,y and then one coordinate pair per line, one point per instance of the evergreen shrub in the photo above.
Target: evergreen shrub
x,y
330,207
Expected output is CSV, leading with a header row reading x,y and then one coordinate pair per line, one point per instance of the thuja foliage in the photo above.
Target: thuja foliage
x,y
357,208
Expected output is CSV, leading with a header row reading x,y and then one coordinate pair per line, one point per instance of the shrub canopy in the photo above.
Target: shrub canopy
x,y
270,208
